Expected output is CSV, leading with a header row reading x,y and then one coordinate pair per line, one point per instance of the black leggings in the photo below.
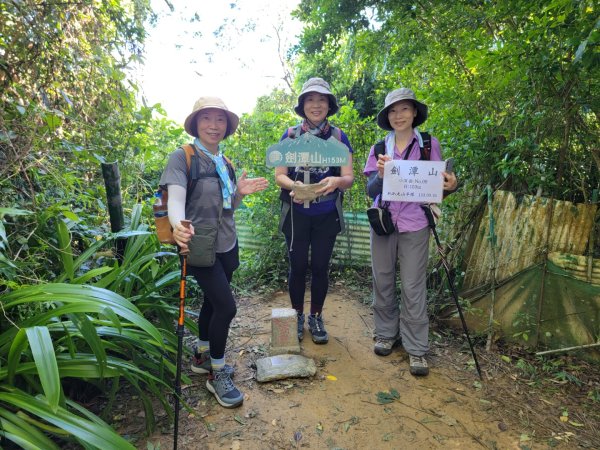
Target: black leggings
x,y
317,233
218,308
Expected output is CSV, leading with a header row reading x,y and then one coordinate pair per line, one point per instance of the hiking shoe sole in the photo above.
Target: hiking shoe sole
x,y
320,340
382,351
211,389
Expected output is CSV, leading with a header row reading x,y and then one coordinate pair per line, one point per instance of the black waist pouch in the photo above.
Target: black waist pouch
x,y
380,219
203,246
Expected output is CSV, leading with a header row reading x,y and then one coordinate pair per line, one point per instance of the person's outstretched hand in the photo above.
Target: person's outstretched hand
x,y
247,186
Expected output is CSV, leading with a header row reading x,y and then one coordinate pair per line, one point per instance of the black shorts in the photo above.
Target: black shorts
x,y
305,227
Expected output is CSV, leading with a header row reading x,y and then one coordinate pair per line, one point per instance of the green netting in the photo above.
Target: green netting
x,y
565,313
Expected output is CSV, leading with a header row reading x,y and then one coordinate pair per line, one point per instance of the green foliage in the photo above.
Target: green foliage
x,y
8,268
72,338
66,105
91,333
513,94
512,86
527,369
387,397
594,395
524,326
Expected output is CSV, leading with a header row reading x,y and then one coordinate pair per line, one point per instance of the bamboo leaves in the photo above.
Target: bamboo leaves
x,y
45,360
83,429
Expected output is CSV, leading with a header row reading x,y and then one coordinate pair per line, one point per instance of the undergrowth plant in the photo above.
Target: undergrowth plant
x,y
104,325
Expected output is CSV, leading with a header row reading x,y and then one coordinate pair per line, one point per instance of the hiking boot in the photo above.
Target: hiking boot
x,y
317,329
418,366
201,363
300,326
220,385
384,346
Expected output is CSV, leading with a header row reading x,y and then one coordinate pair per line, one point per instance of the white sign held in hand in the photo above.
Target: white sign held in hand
x,y
413,181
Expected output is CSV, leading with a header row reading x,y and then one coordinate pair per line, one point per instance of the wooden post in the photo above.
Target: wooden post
x,y
590,259
546,251
490,200
306,181
112,182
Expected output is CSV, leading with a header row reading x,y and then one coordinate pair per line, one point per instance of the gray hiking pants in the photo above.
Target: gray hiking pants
x,y
409,319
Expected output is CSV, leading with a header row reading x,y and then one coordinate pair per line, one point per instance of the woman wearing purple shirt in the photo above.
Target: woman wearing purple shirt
x,y
409,244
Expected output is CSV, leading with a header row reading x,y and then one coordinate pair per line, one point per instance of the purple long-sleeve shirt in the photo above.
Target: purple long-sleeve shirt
x,y
407,216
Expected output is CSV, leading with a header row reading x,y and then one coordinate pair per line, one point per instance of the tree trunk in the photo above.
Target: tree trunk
x,y
112,182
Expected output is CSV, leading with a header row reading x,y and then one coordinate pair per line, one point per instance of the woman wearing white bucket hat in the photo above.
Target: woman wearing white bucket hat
x,y
409,243
317,226
208,198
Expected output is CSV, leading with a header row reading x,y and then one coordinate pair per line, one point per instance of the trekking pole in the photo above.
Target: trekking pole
x,y
438,244
180,328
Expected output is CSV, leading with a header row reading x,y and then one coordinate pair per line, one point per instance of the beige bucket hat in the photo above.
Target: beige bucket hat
x,y
322,87
215,103
394,97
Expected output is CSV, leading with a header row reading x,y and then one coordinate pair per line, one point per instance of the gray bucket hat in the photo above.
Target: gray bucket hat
x,y
395,96
322,87
215,103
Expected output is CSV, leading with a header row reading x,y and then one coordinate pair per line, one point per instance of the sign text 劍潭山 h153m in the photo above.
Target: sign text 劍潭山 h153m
x,y
307,150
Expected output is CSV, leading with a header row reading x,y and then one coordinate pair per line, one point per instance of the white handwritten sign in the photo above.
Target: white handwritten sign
x,y
413,181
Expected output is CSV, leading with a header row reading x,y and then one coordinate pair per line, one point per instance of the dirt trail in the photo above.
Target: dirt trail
x,y
339,407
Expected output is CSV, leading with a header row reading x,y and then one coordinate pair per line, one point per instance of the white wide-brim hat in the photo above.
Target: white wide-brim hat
x,y
320,86
394,97
214,103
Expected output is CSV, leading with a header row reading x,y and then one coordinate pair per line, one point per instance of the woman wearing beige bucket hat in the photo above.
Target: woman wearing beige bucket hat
x,y
208,198
314,228
409,243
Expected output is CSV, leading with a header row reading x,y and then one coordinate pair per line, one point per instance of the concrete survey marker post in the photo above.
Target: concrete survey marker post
x,y
284,362
307,150
284,331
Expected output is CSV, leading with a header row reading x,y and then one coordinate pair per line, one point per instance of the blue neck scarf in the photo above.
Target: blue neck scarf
x,y
227,187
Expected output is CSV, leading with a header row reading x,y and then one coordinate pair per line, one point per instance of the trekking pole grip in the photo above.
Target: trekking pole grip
x,y
186,224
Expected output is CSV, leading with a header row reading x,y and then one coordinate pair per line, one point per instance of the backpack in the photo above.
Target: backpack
x,y
164,230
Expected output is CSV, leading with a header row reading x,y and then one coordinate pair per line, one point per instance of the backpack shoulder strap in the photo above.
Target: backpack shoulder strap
x,y
336,132
379,148
426,149
189,152
192,170
294,132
